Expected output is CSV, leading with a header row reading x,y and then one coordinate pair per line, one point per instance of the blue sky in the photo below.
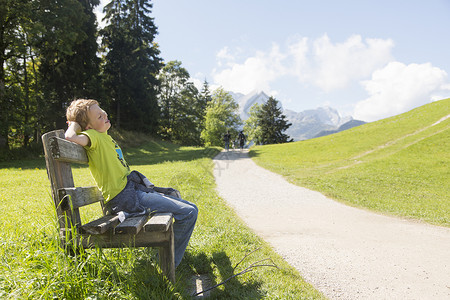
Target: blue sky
x,y
368,59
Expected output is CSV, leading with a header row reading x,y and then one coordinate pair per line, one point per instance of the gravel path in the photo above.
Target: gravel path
x,y
346,253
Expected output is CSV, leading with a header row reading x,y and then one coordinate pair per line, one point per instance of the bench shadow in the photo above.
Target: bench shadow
x,y
234,288
146,279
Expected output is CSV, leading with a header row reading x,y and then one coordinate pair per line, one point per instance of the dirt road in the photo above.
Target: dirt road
x,y
346,253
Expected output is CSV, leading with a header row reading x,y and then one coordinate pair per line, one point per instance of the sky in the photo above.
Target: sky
x,y
367,59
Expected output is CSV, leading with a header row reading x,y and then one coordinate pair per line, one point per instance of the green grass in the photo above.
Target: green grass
x,y
32,265
397,166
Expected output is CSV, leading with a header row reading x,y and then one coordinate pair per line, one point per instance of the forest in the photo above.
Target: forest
x,y
53,52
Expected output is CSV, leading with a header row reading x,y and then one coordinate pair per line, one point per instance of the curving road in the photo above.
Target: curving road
x,y
345,252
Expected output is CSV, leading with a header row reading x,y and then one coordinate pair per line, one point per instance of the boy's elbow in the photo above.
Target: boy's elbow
x,y
69,136
78,139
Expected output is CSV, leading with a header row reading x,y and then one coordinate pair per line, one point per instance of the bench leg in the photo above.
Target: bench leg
x,y
167,257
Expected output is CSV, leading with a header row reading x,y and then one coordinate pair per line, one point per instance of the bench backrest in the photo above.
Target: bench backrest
x,y
59,154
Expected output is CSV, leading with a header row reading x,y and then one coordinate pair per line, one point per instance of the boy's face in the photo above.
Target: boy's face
x,y
98,119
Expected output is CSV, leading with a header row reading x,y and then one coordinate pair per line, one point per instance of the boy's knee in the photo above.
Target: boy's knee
x,y
194,211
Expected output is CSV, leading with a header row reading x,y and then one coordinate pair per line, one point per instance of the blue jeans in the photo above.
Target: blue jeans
x,y
184,212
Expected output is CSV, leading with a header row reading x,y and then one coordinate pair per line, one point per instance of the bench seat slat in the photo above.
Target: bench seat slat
x,y
131,225
159,222
101,225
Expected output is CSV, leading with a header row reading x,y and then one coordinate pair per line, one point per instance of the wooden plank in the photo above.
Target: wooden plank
x,y
79,196
66,151
101,225
142,239
159,222
131,225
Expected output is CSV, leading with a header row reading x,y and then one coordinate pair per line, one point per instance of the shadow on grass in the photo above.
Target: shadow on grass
x,y
147,283
147,154
38,163
233,289
158,152
254,153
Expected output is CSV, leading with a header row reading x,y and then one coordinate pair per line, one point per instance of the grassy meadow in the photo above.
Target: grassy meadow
x,y
397,166
33,266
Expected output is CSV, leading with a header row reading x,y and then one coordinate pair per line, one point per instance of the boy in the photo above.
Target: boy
x,y
126,193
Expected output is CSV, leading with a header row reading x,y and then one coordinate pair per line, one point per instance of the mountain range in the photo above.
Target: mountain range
x,y
306,124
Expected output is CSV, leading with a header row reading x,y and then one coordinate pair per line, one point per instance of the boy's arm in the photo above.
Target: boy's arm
x,y
71,134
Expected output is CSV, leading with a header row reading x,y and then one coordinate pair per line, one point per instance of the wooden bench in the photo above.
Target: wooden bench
x,y
107,231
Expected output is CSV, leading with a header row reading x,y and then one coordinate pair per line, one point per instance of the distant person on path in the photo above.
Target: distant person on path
x,y
127,193
227,139
241,138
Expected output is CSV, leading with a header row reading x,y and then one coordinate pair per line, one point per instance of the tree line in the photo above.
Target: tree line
x,y
52,52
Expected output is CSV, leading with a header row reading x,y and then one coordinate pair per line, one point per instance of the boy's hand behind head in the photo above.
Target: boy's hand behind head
x,y
75,126
85,114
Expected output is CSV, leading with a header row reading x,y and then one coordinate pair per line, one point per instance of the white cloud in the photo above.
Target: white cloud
x,y
298,51
224,55
334,66
320,63
398,88
322,67
255,73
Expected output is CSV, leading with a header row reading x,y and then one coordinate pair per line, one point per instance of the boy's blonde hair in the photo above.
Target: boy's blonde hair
x,y
78,111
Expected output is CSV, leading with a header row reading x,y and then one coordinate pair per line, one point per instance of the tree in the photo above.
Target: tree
x,y
66,48
173,79
267,123
251,126
181,111
221,115
205,96
131,65
15,18
46,58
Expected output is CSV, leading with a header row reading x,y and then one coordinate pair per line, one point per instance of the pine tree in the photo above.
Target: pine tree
x,y
67,52
205,96
267,124
131,64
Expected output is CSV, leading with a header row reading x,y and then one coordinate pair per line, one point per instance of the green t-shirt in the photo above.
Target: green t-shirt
x,y
106,163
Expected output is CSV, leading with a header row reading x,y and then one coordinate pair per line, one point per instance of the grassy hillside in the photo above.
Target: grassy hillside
x,y
399,165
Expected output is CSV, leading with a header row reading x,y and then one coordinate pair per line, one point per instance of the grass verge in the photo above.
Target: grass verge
x,y
33,267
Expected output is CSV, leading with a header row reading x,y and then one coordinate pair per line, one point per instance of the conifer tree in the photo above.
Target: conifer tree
x,y
267,124
131,64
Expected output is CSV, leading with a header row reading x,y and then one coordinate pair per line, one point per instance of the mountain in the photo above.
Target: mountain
x,y
306,124
247,101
